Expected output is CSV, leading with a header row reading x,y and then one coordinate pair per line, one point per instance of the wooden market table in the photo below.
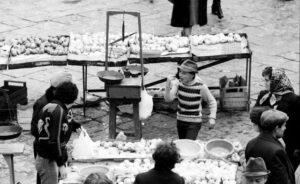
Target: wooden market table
x,y
222,55
8,151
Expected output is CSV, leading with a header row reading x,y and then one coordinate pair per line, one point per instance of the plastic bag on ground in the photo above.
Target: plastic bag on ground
x,y
145,105
83,146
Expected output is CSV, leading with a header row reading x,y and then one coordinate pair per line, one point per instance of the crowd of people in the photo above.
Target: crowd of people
x,y
272,157
275,116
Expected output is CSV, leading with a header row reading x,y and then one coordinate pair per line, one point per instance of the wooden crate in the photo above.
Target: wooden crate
x,y
234,98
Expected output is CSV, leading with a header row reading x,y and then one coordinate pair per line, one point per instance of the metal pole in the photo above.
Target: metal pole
x,y
106,45
141,50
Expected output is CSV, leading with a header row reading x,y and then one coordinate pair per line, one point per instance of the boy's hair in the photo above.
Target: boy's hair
x,y
66,92
166,156
272,118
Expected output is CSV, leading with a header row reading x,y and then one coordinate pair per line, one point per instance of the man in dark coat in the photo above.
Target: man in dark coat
x,y
267,146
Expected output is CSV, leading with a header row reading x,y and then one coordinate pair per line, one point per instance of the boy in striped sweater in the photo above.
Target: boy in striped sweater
x,y
190,91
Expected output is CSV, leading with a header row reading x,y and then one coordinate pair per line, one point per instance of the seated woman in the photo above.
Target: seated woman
x,y
97,178
165,156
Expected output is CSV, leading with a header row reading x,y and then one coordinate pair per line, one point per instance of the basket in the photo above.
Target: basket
x,y
218,148
234,98
188,148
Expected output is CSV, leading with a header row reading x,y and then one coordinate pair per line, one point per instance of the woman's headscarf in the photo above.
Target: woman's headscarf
x,y
279,84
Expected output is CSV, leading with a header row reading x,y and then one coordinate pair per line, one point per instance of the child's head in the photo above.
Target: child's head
x,y
97,178
66,92
187,71
256,171
166,155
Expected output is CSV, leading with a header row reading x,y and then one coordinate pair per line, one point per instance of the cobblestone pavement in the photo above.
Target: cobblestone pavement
x,y
272,27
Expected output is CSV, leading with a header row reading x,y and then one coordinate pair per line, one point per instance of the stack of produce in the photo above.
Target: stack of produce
x,y
158,43
214,39
123,149
91,46
199,171
33,49
4,51
219,44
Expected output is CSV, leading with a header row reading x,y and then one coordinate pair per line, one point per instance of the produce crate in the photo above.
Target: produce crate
x,y
234,98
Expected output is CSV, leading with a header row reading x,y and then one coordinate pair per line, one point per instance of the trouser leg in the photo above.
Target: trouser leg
x,y
47,170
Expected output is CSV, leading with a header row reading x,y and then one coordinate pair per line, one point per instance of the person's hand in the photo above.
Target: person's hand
x,y
212,123
78,130
170,78
62,172
169,81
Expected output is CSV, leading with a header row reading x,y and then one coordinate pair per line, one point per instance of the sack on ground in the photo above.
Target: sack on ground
x,y
145,105
83,146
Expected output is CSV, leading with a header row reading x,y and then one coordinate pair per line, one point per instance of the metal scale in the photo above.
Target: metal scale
x,y
127,90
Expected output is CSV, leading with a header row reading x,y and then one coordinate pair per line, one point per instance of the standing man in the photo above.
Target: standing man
x,y
54,132
267,146
56,80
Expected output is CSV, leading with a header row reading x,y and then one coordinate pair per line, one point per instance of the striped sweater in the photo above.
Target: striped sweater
x,y
189,100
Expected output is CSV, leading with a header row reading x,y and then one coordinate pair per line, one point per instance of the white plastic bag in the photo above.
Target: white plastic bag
x,y
83,146
145,105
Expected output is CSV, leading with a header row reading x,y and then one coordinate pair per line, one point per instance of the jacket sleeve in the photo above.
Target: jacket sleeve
x,y
55,134
280,169
35,117
210,100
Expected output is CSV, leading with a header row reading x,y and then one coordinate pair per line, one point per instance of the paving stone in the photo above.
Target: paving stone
x,y
5,27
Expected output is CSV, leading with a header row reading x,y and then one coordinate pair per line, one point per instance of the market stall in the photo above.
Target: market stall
x,y
89,50
214,161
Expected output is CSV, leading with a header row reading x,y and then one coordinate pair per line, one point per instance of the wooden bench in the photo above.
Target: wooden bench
x,y
8,151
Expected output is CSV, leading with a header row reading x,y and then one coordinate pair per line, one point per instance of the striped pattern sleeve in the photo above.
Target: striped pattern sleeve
x,y
211,101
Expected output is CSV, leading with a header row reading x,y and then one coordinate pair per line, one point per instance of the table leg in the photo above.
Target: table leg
x,y
9,158
137,122
249,85
84,86
112,120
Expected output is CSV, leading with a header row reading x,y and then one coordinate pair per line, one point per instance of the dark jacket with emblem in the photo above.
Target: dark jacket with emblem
x,y
275,157
54,132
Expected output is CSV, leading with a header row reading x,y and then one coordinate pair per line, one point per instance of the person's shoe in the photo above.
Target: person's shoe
x,y
216,9
220,12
